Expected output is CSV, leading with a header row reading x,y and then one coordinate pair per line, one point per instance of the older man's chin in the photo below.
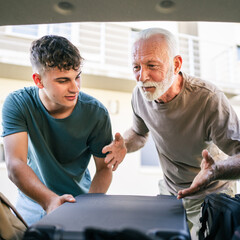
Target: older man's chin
x,y
149,96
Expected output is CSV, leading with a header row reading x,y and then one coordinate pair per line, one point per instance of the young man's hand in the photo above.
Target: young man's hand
x,y
58,201
116,152
204,177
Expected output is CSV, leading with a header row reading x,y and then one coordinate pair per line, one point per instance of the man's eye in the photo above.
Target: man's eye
x,y
136,68
152,66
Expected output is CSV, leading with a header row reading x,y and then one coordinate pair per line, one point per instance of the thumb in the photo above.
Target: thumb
x,y
205,154
207,157
118,137
69,198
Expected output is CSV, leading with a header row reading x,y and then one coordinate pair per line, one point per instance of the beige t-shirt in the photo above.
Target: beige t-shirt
x,y
197,117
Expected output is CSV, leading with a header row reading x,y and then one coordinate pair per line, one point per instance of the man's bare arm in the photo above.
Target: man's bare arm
x,y
228,169
16,148
102,178
134,141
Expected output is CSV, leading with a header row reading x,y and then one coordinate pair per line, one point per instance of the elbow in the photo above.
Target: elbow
x,y
11,176
11,172
13,168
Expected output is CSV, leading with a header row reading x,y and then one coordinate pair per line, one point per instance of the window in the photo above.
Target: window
x,y
24,30
60,29
238,52
35,31
2,159
149,155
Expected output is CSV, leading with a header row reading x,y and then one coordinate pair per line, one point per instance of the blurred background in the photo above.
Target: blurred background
x,y
210,50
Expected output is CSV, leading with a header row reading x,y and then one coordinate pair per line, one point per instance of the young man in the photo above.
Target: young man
x,y
50,132
184,115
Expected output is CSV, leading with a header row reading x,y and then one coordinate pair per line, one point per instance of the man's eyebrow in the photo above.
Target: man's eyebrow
x,y
61,78
152,61
67,78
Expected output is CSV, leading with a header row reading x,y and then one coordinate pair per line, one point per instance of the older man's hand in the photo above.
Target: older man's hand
x,y
204,177
116,152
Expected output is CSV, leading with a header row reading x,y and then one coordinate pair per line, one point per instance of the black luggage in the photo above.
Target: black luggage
x,y
220,217
100,216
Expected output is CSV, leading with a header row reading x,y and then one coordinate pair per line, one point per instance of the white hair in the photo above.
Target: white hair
x,y
168,36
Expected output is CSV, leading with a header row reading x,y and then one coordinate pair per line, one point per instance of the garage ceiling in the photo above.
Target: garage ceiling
x,y
18,12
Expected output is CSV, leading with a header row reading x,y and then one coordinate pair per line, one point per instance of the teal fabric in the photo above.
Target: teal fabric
x,y
59,150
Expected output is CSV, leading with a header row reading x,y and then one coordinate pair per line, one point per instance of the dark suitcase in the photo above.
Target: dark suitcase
x,y
113,217
220,217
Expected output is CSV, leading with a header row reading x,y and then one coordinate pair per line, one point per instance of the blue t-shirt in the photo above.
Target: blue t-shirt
x,y
59,150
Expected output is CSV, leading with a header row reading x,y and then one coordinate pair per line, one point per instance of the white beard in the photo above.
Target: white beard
x,y
161,87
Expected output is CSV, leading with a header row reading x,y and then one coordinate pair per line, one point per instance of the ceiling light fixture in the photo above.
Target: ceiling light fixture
x,y
64,8
166,6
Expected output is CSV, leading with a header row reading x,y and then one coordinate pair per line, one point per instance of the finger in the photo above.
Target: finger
x,y
115,166
118,137
107,149
108,158
205,154
187,192
112,163
180,195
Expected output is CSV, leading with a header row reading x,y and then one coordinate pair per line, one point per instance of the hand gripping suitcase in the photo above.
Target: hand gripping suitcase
x,y
100,216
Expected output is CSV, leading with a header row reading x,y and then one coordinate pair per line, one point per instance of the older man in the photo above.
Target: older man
x,y
184,115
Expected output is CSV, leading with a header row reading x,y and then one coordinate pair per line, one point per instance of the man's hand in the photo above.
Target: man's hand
x,y
204,177
116,152
59,200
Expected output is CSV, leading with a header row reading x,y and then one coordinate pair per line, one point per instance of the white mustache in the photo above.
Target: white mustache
x,y
147,84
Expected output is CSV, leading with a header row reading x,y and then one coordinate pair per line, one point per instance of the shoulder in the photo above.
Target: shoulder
x,y
203,91
90,103
21,97
23,93
198,84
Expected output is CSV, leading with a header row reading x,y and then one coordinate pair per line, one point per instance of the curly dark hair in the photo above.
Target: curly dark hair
x,y
52,51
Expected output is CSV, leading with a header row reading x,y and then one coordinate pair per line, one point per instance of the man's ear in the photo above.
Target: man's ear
x,y
37,79
177,64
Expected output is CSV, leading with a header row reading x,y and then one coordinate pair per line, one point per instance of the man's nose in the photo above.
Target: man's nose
x,y
143,75
75,86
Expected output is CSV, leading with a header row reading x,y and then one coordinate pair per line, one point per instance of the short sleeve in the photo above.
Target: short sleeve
x,y
222,124
13,120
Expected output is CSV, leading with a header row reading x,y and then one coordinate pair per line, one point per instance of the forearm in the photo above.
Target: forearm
x,y
228,169
101,181
28,182
134,141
